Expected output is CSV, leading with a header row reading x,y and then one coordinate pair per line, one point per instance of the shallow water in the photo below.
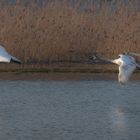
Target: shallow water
x,y
69,110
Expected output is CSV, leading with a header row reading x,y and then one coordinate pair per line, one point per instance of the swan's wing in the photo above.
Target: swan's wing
x,y
4,56
14,59
138,66
125,72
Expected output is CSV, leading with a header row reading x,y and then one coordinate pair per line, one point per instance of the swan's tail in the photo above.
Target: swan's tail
x,y
15,60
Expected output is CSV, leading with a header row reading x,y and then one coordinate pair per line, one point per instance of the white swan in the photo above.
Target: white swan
x,y
6,57
127,64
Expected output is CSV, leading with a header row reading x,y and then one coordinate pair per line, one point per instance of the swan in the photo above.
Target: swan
x,y
127,64
6,57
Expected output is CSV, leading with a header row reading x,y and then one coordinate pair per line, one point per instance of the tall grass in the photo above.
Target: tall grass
x,y
60,32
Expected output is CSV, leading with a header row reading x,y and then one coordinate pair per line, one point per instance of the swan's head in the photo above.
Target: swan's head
x,y
123,54
120,55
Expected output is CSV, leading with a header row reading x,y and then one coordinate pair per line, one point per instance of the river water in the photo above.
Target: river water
x,y
85,109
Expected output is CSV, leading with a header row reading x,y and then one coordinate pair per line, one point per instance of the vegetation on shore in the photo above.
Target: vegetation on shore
x,y
62,33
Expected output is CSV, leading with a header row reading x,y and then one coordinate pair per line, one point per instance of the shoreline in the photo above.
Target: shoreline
x,y
13,76
61,72
59,68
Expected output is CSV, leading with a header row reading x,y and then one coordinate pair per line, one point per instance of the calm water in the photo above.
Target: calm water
x,y
69,110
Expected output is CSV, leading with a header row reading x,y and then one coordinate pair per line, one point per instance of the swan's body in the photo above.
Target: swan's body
x,y
6,57
127,64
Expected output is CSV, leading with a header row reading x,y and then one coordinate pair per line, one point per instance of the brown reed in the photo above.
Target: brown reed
x,y
58,32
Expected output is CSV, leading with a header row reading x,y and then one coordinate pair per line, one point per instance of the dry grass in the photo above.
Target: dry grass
x,y
59,32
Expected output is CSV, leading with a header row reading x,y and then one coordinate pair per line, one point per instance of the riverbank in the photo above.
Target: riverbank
x,y
61,71
59,68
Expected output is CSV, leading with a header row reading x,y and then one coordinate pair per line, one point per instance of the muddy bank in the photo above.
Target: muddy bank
x,y
61,71
62,76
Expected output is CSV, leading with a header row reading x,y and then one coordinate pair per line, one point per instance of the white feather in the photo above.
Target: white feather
x,y
125,73
6,57
127,64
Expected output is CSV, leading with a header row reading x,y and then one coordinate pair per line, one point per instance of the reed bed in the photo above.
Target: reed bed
x,y
62,33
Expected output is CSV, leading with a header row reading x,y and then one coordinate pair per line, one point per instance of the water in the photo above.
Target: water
x,y
69,110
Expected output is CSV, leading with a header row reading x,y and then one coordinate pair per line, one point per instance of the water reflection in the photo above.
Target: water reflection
x,y
118,119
